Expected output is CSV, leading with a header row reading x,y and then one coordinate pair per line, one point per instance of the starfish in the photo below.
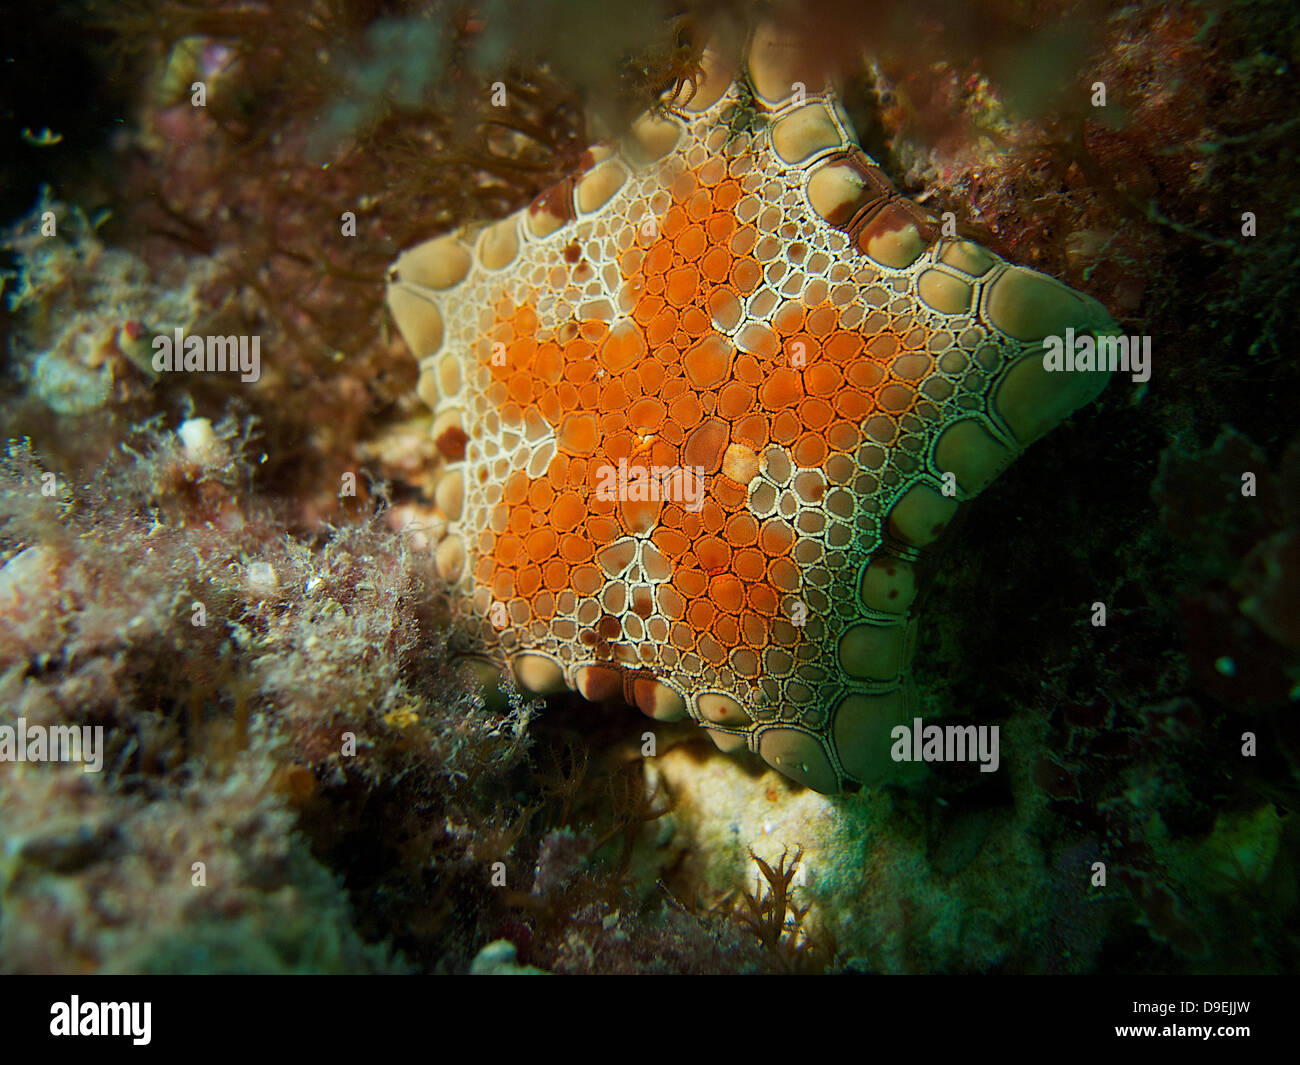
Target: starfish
x,y
702,410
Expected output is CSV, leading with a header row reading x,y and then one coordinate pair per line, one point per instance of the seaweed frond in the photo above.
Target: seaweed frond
x,y
772,916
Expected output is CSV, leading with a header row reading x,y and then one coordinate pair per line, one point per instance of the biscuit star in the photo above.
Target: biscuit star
x,y
703,408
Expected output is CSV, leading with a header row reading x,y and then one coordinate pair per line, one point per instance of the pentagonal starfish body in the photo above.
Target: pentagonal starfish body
x,y
702,408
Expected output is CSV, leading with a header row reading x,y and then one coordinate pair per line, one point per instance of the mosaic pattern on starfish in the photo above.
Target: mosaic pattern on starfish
x,y
734,289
